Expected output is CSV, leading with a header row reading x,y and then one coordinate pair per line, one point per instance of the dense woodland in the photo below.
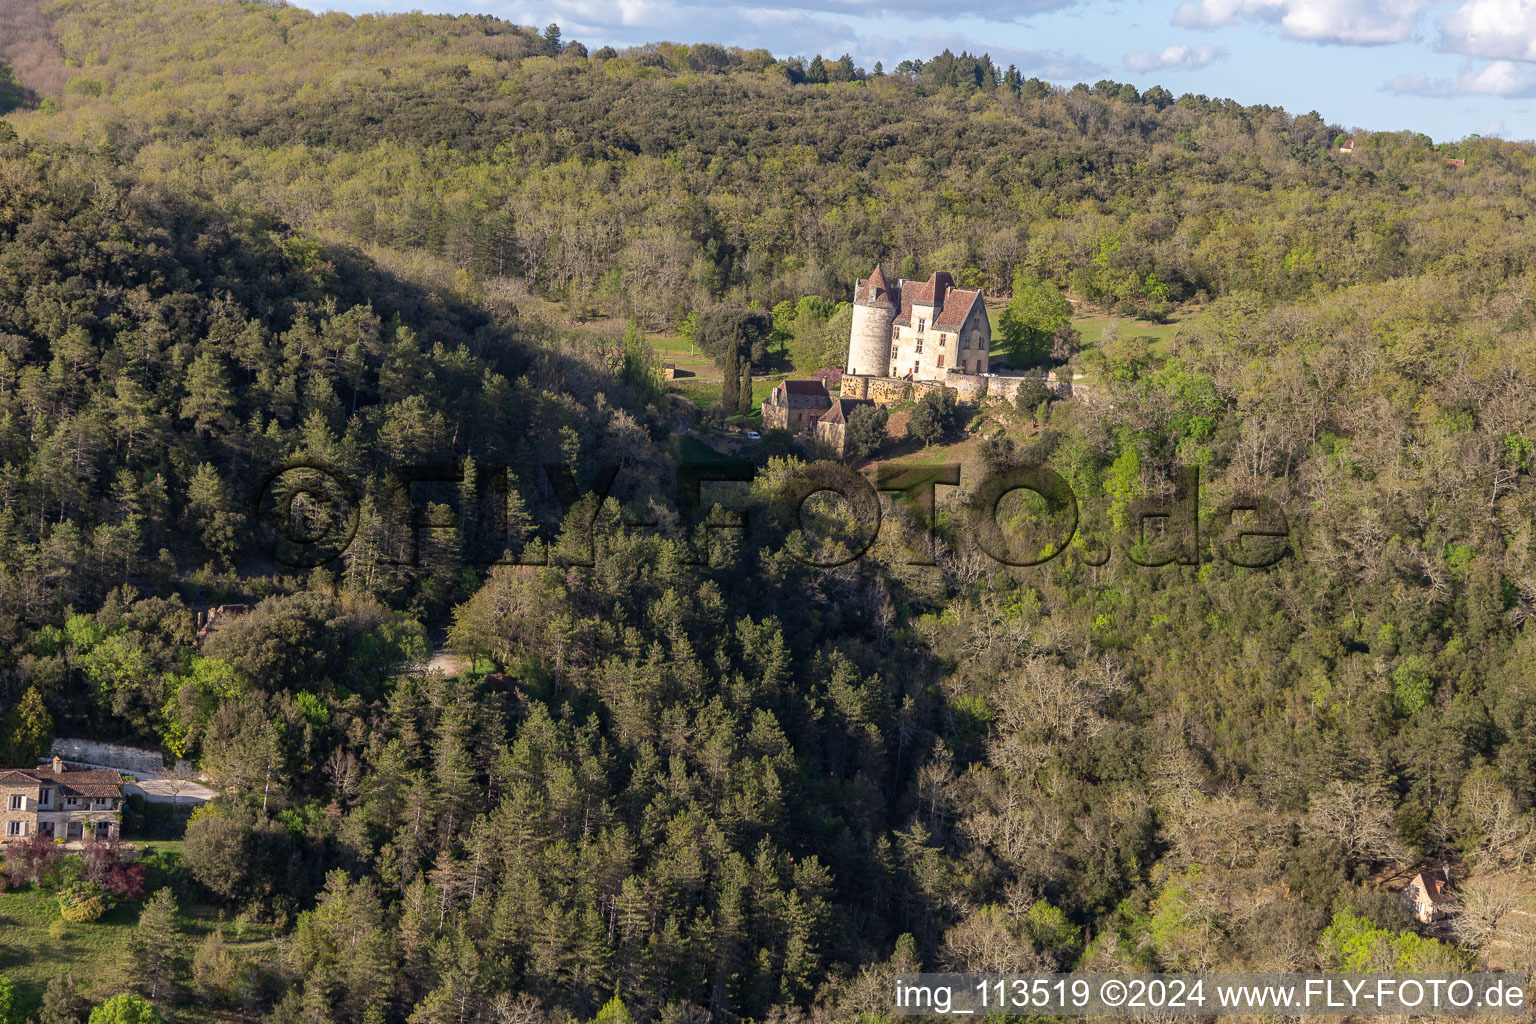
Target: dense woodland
x,y
248,253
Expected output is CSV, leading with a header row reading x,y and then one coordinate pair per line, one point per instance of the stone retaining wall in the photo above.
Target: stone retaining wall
x,y
970,389
110,755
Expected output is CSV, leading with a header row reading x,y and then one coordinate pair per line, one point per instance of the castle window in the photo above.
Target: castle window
x,y
941,360
919,344
895,332
920,325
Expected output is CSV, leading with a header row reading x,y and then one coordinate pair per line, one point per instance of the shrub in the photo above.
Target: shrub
x,y
125,1009
80,904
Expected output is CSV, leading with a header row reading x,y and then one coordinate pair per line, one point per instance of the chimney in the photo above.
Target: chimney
x,y
58,765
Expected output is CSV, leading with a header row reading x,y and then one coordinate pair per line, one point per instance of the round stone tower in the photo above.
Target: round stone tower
x,y
869,342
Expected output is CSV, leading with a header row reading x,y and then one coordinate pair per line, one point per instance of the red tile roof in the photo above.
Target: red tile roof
x,y
933,292
957,306
86,782
874,289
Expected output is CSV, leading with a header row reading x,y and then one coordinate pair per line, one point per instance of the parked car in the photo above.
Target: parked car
x,y
753,435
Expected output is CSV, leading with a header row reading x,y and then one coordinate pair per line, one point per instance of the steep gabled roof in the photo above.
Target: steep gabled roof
x,y
933,292
842,409
799,394
957,306
1433,884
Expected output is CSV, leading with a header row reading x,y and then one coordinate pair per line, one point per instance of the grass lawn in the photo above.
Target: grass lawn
x,y
1091,329
33,950
37,944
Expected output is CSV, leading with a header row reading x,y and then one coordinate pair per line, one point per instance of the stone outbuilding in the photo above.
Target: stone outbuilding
x,y
795,405
832,427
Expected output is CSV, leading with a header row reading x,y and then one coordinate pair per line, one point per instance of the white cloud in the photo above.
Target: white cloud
x,y
656,18
1494,129
1503,29
1357,22
1501,78
1182,58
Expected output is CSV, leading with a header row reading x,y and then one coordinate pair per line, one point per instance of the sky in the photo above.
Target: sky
x,y
1449,69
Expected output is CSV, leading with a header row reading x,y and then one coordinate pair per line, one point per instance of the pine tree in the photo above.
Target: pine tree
x,y
210,403
155,947
816,73
26,733
213,967
212,509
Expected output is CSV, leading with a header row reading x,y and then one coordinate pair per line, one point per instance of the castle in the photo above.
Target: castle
x,y
917,331
914,336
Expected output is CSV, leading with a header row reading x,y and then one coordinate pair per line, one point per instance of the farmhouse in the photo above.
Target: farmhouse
x,y
60,802
1428,895
795,405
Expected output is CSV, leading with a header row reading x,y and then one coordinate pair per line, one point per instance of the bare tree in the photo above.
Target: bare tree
x,y
1358,817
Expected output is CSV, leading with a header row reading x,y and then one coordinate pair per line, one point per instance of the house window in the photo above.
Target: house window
x,y
18,803
920,325
943,338
15,828
941,360
46,800
919,345
45,828
71,801
895,332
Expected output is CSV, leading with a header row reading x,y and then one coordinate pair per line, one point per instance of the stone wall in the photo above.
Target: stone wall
x,y
110,755
970,389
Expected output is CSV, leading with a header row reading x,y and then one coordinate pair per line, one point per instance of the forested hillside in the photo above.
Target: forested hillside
x,y
239,240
